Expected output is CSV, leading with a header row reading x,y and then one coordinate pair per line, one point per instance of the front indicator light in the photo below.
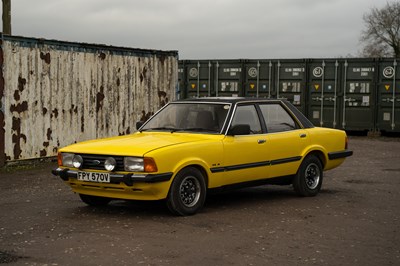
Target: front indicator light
x,y
150,165
59,159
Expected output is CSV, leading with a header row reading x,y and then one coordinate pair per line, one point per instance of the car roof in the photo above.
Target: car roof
x,y
231,100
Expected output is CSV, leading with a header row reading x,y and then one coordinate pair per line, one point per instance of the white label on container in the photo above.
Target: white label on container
x,y
315,115
386,116
297,98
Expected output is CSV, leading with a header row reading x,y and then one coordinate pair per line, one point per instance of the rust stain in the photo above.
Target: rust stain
x,y
45,57
82,124
145,115
143,74
46,144
54,113
21,83
16,137
99,99
102,56
162,95
43,153
19,108
49,131
16,95
118,82
44,110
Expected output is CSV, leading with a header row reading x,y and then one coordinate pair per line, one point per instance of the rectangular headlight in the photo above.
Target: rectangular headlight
x,y
133,164
66,159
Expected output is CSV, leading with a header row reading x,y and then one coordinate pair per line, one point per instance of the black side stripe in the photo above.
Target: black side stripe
x,y
286,160
253,165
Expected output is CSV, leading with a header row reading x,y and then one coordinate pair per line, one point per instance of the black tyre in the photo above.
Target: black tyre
x,y
187,193
308,179
94,200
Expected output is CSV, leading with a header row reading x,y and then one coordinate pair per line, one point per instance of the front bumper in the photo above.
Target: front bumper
x,y
127,179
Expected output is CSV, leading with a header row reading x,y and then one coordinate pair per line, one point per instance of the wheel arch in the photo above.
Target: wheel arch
x,y
320,155
199,167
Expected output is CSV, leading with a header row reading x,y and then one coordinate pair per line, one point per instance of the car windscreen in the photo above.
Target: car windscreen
x,y
190,117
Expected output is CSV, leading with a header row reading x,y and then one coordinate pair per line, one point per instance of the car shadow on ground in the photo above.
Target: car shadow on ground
x,y
216,201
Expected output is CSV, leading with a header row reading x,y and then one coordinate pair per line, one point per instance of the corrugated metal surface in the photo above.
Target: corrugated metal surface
x,y
355,94
57,93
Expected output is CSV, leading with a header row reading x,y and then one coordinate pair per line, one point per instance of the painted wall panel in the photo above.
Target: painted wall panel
x,y
57,93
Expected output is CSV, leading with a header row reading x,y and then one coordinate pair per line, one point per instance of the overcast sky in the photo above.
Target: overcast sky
x,y
202,29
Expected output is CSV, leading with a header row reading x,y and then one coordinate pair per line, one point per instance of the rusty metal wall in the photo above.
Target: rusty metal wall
x,y
56,93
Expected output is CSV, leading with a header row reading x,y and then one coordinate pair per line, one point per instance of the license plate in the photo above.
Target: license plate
x,y
94,177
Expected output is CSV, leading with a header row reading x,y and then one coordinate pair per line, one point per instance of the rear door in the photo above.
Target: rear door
x,y
285,139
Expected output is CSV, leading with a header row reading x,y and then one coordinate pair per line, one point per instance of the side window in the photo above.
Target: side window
x,y
247,115
277,118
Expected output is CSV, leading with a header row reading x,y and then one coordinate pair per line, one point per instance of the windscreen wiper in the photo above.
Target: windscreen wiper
x,y
199,129
172,129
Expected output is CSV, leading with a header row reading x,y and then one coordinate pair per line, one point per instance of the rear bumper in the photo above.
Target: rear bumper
x,y
127,179
339,154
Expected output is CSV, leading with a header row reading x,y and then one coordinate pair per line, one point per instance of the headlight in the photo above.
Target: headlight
x,y
66,159
71,160
77,161
133,164
136,164
110,164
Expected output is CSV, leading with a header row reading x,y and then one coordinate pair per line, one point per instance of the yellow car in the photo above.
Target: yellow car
x,y
193,146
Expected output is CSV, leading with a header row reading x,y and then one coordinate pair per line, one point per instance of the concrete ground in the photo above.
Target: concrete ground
x,y
355,220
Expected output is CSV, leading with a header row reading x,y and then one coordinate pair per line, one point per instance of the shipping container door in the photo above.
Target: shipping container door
x,y
199,76
358,99
228,78
258,79
389,96
323,93
290,79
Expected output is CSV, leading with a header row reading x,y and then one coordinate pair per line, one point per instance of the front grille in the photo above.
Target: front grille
x,y
96,162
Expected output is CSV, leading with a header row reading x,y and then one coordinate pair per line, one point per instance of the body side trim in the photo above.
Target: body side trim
x,y
256,164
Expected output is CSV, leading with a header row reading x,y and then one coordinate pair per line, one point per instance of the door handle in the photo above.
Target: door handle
x,y
303,135
261,141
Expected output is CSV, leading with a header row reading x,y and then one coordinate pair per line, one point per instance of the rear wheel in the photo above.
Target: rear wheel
x,y
187,193
94,200
308,179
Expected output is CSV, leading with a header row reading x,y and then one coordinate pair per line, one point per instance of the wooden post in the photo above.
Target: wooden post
x,y
7,17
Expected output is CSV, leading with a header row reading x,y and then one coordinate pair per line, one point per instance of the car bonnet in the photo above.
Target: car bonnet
x,y
136,144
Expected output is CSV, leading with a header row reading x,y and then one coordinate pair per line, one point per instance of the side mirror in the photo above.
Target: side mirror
x,y
139,124
239,130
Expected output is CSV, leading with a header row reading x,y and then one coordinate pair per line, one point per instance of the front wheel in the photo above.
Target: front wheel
x,y
94,200
187,193
308,179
